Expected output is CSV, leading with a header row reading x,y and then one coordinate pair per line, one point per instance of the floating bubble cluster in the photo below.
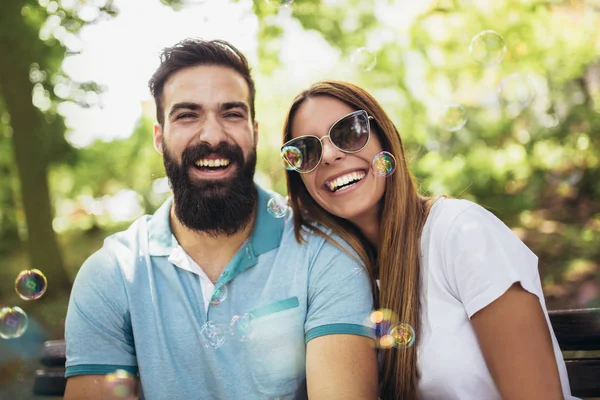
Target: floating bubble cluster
x,y
13,322
120,385
364,59
211,335
454,117
31,284
389,332
241,327
291,158
383,164
487,48
219,295
277,206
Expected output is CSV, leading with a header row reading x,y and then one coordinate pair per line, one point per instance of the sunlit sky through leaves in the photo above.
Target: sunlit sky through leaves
x,y
122,53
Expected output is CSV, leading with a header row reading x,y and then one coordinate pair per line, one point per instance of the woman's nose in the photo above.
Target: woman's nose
x,y
331,153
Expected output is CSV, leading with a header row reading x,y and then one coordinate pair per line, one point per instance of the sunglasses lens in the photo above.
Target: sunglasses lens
x,y
351,133
302,154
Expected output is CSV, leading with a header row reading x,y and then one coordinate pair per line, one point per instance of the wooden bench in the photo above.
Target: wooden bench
x,y
577,331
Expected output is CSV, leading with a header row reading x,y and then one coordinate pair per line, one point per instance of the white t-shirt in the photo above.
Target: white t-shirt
x,y
469,259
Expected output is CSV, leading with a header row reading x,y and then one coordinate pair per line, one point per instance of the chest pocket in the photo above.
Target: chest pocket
x,y
277,353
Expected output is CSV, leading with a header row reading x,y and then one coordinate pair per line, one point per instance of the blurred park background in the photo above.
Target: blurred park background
x,y
513,125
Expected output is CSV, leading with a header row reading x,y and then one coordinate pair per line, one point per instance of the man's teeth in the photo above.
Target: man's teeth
x,y
334,184
221,162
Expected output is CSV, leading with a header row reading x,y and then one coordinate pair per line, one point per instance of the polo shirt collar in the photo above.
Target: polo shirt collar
x,y
265,236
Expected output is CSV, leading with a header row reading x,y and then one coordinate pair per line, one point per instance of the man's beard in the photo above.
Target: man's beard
x,y
216,207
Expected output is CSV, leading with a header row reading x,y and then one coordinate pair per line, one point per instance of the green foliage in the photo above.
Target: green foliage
x,y
536,169
540,162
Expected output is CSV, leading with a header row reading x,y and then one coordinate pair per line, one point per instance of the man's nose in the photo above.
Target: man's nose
x,y
212,131
331,153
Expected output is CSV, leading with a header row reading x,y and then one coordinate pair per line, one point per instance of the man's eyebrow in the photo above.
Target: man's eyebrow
x,y
186,104
234,104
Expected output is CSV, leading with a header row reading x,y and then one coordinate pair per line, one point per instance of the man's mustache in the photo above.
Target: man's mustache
x,y
202,150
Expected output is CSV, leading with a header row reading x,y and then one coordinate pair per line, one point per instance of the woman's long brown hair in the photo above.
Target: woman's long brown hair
x,y
396,261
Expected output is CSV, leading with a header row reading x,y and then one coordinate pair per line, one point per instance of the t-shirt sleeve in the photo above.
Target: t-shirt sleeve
x,y
339,295
98,332
484,258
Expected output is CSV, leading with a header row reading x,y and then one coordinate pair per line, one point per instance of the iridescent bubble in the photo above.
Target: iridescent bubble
x,y
454,117
357,271
280,3
291,158
516,92
383,320
120,384
31,284
13,322
383,164
487,48
211,335
386,341
363,59
403,334
277,206
219,295
242,327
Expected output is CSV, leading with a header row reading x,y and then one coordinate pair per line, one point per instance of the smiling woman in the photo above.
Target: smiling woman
x,y
450,273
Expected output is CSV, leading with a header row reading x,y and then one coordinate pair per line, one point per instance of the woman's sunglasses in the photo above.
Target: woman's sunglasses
x,y
349,134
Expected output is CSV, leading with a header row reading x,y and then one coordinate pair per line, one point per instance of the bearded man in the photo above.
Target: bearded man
x,y
212,297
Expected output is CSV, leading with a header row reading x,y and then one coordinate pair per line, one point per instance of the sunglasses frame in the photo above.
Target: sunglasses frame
x,y
320,139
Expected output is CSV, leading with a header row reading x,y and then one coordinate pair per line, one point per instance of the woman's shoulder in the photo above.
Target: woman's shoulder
x,y
450,216
445,210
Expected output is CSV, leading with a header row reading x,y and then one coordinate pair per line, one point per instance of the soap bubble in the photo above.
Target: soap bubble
x,y
277,206
291,158
13,322
31,284
120,384
383,320
211,335
487,48
403,334
383,164
242,327
219,295
516,92
454,117
363,59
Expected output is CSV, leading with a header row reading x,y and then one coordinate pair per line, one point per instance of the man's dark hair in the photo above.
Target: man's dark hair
x,y
193,52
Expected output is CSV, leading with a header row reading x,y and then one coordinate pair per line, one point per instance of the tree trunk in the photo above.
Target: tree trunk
x,y
18,45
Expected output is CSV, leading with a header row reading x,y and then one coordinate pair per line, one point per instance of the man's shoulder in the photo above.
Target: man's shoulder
x,y
320,243
130,237
118,246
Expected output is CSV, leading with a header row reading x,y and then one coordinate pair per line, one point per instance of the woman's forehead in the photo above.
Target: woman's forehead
x,y
316,115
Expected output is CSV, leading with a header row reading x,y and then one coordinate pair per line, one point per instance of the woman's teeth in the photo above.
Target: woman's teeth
x,y
339,182
212,163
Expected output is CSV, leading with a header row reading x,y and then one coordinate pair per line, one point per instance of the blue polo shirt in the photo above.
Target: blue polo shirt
x,y
131,308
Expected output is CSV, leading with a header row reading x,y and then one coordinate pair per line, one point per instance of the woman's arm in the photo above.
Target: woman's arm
x,y
517,348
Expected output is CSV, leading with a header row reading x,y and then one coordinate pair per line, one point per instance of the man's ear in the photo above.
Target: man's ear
x,y
158,137
255,132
